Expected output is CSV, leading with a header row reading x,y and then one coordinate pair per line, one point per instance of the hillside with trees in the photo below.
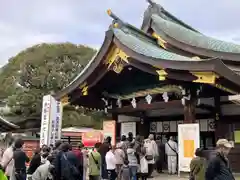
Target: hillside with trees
x,y
40,70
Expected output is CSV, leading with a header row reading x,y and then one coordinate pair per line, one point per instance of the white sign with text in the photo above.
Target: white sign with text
x,y
51,121
188,142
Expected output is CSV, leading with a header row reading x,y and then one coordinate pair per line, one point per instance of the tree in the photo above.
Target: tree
x,y
40,70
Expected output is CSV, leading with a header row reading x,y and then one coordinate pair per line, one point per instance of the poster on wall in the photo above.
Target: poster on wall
x,y
188,142
51,121
109,129
127,127
89,139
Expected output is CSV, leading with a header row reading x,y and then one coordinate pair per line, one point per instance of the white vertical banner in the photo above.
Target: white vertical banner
x,y
188,142
127,127
58,121
51,122
45,120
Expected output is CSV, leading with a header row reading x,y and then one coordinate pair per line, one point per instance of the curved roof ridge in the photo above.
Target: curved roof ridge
x,y
155,8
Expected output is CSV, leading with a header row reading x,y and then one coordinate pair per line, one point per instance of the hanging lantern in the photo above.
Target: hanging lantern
x,y
148,98
134,103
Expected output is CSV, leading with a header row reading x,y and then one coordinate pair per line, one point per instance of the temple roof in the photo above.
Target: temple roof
x,y
141,47
155,8
190,37
182,36
6,126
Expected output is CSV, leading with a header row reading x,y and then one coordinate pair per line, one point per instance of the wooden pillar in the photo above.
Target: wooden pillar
x,y
219,126
143,127
189,112
189,103
118,126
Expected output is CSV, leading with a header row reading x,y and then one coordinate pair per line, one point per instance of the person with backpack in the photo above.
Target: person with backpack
x,y
94,163
125,173
171,150
66,164
79,153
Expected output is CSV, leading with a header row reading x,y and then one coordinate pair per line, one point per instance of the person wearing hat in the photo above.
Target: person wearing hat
x,y
218,167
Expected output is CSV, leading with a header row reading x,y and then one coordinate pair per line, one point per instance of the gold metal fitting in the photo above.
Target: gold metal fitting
x,y
109,12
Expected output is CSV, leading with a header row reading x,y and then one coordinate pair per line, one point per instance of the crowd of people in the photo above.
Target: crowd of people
x,y
131,159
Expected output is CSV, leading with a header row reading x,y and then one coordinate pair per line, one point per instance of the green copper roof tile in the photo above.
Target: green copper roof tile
x,y
192,38
146,48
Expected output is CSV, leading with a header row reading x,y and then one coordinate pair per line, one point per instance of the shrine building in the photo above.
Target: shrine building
x,y
161,75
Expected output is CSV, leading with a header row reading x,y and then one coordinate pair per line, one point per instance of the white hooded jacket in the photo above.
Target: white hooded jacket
x,y
151,149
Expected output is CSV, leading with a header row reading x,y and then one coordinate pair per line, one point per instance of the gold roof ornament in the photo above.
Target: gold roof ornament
x,y
84,89
162,74
160,40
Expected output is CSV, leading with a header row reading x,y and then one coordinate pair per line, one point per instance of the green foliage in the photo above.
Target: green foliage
x,y
40,70
86,119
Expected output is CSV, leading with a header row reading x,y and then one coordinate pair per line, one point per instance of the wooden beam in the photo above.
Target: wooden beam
x,y
206,107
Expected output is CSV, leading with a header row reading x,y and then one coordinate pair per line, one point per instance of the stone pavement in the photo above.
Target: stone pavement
x,y
165,176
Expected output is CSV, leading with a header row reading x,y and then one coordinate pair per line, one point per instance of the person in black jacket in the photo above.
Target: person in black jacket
x,y
35,162
20,159
218,167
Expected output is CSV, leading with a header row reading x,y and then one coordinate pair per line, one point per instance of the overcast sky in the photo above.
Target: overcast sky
x,y
24,23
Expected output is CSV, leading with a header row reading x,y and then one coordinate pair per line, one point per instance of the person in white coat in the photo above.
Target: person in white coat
x,y
7,160
111,164
151,153
171,150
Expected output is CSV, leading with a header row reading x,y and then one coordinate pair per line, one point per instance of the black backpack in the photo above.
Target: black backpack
x,y
68,170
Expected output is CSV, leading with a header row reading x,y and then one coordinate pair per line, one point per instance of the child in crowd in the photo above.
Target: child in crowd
x,y
125,171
